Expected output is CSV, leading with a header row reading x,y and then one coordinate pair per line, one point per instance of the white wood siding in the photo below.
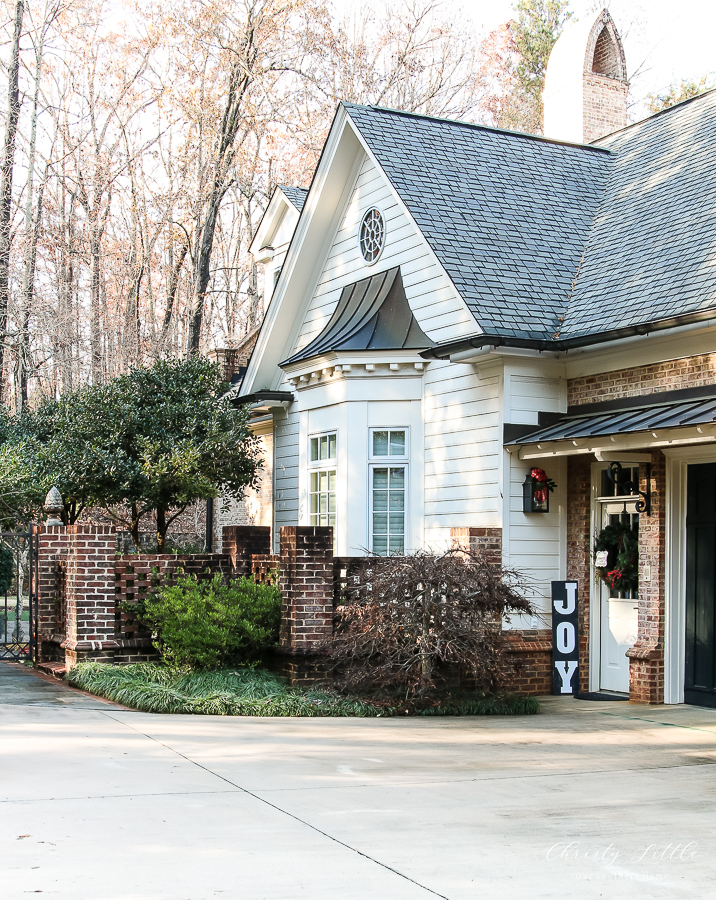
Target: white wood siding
x,y
535,543
286,438
432,297
463,449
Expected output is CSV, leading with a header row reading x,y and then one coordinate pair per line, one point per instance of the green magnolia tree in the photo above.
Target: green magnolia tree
x,y
21,487
151,441
182,442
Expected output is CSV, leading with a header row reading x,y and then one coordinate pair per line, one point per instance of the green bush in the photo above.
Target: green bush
x,y
209,624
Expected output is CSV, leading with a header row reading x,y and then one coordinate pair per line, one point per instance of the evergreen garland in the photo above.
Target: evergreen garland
x,y
621,541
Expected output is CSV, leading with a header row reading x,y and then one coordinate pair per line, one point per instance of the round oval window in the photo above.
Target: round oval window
x,y
372,235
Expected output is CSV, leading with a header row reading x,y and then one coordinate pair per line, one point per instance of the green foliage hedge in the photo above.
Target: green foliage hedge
x,y
208,624
150,687
241,692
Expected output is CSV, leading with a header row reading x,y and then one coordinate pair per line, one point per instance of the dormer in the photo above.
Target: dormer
x,y
274,233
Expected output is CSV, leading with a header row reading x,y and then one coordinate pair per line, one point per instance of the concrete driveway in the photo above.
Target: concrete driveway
x,y
587,799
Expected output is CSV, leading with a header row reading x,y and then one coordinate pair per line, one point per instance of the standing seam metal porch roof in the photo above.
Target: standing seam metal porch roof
x,y
652,417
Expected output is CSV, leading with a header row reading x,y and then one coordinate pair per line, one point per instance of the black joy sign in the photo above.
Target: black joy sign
x,y
565,638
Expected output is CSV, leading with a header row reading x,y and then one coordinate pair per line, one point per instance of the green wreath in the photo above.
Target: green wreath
x,y
621,542
7,568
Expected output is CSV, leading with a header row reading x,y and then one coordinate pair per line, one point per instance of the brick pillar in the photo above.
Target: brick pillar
x,y
485,541
51,553
90,592
579,499
306,572
241,542
646,657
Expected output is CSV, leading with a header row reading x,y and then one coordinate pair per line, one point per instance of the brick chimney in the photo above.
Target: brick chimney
x,y
586,87
234,360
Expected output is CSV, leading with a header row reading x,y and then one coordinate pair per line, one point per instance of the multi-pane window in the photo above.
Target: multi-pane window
x,y
323,498
322,480
388,484
323,447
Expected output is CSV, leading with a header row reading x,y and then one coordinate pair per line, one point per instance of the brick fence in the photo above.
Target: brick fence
x,y
86,591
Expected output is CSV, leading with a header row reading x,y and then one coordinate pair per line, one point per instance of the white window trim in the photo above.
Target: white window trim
x,y
331,463
405,458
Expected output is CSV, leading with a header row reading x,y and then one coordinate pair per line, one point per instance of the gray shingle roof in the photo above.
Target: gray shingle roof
x,y
544,239
651,252
296,195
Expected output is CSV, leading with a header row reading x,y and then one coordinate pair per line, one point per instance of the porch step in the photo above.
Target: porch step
x,y
52,668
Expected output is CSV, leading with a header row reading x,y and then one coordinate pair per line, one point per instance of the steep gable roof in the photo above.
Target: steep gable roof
x,y
507,214
549,241
651,252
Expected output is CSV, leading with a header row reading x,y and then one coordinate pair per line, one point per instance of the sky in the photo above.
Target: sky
x,y
664,40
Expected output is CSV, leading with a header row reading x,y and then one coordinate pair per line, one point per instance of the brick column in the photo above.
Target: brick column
x,y
306,572
646,657
241,542
579,499
51,553
90,592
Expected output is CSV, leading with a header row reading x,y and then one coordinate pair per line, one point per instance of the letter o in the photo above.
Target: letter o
x,y
565,637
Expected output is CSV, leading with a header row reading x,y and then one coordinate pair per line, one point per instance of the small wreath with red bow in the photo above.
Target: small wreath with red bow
x,y
620,543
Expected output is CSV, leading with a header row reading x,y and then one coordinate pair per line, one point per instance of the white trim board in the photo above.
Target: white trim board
x,y
677,462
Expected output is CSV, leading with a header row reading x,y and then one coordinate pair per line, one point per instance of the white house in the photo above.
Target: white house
x,y
457,304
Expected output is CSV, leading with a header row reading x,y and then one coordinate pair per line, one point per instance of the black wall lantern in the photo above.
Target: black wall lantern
x,y
536,489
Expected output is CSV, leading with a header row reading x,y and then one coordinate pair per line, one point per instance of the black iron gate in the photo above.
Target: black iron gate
x,y
18,594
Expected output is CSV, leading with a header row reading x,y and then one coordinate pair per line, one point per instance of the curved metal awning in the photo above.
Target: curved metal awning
x,y
371,314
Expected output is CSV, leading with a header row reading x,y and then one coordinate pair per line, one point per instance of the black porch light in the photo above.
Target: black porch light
x,y
536,489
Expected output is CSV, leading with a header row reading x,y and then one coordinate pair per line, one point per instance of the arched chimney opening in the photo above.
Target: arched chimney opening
x,y
606,56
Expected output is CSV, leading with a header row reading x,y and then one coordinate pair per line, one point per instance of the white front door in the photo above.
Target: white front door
x,y
618,617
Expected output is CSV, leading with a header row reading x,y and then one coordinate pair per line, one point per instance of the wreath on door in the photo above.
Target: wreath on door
x,y
620,568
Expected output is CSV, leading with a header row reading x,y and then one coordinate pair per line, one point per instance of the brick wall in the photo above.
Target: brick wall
x,y
485,541
579,498
81,582
76,588
605,105
528,662
306,579
241,542
691,371
646,667
139,575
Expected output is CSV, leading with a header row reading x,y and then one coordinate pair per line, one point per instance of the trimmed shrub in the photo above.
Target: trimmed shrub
x,y
210,624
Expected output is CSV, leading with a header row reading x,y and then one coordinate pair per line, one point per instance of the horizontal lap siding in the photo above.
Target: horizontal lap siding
x,y
285,471
432,297
462,450
536,541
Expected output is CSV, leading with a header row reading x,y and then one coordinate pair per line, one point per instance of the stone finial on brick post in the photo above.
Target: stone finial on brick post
x,y
53,506
306,571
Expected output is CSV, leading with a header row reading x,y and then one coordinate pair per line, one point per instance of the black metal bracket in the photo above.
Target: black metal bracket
x,y
643,504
